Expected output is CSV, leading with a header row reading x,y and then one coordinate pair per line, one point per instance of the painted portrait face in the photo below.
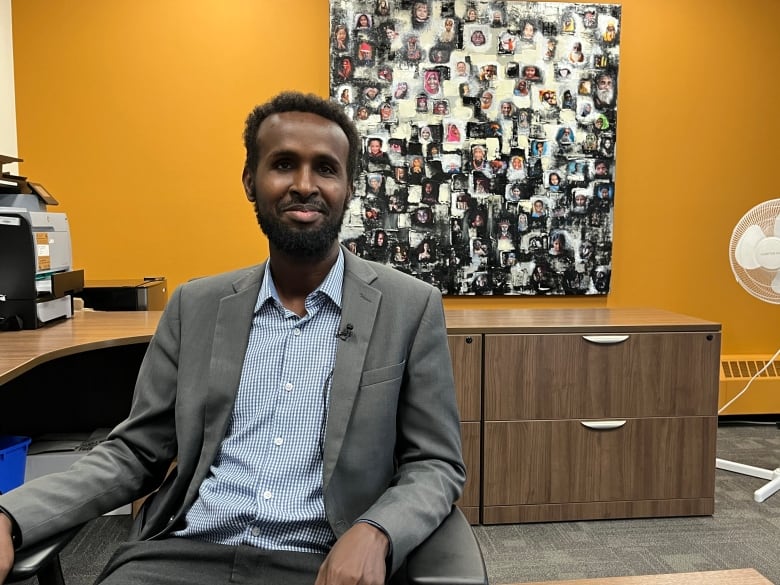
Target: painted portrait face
x,y
421,11
432,84
506,109
478,38
375,146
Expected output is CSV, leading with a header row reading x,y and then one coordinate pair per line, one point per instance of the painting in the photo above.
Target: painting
x,y
488,135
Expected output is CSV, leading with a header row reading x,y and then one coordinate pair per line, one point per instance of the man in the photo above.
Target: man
x,y
604,94
308,401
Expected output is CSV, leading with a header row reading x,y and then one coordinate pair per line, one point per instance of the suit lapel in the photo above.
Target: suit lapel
x,y
360,303
231,335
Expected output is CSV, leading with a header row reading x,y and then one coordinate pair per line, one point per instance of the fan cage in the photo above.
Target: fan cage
x,y
757,281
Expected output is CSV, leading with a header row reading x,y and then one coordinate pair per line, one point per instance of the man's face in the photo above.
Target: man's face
x,y
601,168
461,68
300,187
506,109
605,90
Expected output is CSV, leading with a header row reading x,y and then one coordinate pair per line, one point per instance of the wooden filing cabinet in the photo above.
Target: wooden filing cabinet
x,y
596,413
466,354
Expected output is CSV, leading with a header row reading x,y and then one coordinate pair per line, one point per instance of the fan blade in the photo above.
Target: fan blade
x,y
776,283
745,252
777,226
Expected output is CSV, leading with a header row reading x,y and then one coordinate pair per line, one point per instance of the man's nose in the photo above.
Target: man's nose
x,y
304,181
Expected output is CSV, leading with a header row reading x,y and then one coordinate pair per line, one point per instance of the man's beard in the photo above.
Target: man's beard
x,y
307,243
605,96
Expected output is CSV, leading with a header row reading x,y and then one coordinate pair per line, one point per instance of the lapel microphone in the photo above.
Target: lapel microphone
x,y
345,333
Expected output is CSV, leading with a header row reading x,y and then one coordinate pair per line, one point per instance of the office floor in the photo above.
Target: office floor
x,y
741,533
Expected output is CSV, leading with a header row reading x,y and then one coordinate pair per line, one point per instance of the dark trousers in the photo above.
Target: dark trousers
x,y
183,561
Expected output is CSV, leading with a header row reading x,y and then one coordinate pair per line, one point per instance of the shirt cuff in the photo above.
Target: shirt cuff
x,y
389,557
16,532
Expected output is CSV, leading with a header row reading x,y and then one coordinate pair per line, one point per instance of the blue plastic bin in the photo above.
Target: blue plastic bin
x,y
13,458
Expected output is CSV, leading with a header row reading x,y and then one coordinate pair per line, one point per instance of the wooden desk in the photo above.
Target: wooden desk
x,y
733,577
74,375
21,351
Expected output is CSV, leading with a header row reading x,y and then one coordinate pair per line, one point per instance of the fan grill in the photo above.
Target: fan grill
x,y
757,281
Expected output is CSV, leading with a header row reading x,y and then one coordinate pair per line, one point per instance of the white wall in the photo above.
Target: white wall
x,y
8,144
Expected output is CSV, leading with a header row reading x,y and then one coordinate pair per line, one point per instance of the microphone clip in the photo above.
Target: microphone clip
x,y
345,333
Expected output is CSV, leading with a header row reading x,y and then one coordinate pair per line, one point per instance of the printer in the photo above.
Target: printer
x,y
37,281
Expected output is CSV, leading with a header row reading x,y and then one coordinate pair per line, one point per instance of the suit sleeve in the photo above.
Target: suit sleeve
x,y
430,471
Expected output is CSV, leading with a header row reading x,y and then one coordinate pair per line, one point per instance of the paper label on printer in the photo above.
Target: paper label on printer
x,y
10,221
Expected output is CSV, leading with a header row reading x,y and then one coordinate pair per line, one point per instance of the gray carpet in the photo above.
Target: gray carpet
x,y
742,533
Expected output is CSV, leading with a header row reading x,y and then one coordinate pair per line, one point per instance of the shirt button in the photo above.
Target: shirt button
x,y
255,531
288,386
278,441
267,495
296,332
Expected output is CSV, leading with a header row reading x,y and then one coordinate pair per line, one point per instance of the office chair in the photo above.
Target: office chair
x,y
450,556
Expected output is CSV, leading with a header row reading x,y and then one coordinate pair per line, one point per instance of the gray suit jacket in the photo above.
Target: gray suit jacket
x,y
392,445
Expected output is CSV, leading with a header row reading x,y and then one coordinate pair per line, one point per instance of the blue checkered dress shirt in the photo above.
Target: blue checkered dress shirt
x,y
265,486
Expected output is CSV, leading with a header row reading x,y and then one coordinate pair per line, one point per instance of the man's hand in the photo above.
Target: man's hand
x,y
6,547
357,558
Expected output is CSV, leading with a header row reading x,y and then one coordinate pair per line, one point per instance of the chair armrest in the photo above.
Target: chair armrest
x,y
449,556
28,561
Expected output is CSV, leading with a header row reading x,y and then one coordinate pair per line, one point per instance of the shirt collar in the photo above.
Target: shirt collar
x,y
332,285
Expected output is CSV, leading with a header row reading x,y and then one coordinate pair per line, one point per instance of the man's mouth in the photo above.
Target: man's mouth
x,y
304,212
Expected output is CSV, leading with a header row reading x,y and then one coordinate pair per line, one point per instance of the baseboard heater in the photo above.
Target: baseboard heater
x,y
763,396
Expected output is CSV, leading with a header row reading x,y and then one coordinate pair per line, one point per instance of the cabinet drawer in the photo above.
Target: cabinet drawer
x,y
565,376
469,432
555,462
466,355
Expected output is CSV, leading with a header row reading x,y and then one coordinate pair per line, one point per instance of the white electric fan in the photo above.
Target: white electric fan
x,y
754,253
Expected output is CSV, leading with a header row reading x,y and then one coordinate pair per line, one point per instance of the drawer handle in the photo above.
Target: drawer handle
x,y
602,425
605,339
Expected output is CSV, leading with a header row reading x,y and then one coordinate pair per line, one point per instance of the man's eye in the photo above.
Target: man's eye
x,y
283,164
327,169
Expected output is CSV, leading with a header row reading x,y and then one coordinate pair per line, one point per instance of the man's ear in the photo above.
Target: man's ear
x,y
248,180
348,199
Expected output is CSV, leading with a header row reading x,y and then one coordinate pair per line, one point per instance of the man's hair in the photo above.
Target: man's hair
x,y
293,101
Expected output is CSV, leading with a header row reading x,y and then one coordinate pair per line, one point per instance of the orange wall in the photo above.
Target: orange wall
x,y
131,111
